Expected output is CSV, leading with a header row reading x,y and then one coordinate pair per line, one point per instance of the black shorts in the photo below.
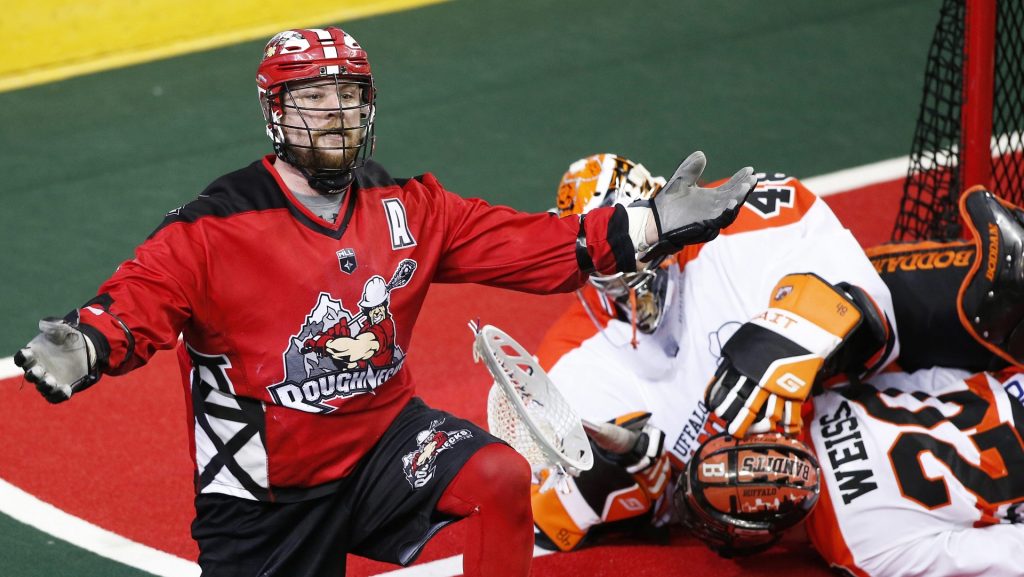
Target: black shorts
x,y
384,510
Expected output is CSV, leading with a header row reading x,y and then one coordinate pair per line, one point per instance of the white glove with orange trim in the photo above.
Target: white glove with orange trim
x,y
648,447
771,363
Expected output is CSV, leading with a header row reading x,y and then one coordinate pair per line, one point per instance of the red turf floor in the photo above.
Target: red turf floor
x,y
117,455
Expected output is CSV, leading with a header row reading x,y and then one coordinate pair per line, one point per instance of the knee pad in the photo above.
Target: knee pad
x,y
500,469
496,475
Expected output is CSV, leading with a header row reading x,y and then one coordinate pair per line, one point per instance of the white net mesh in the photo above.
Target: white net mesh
x,y
504,423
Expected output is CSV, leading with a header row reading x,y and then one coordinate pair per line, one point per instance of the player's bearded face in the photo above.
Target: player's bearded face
x,y
324,123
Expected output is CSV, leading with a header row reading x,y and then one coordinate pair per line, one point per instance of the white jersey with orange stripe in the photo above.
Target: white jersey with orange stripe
x,y
923,475
714,288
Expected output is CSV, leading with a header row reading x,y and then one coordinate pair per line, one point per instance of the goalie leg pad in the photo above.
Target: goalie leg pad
x,y
604,498
924,279
991,299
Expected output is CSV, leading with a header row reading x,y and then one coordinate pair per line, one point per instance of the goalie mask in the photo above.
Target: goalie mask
x,y
609,180
317,96
740,495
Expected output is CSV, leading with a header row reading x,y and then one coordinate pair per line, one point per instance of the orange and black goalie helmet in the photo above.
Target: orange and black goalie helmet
x,y
740,495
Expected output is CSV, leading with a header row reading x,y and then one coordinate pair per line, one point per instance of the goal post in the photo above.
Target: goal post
x,y
979,71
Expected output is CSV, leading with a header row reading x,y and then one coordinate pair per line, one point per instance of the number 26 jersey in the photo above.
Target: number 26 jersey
x,y
923,475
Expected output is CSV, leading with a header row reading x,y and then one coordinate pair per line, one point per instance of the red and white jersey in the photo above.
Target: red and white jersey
x,y
783,228
296,329
923,475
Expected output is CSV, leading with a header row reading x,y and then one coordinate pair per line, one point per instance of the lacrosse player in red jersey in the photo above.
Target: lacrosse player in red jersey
x,y
647,342
307,439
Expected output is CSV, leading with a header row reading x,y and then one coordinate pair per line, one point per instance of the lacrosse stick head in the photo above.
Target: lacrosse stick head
x,y
526,410
403,274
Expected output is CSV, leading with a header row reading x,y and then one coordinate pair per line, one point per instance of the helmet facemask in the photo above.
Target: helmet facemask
x,y
316,91
640,296
324,127
608,180
729,537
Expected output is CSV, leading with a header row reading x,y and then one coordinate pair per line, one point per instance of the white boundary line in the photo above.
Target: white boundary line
x,y
895,168
47,518
447,567
8,368
31,511
858,177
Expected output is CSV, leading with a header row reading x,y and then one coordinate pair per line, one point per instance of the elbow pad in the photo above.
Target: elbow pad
x,y
865,349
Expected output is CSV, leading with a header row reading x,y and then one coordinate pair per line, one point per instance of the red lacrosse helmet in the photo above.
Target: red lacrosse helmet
x,y
321,59
740,495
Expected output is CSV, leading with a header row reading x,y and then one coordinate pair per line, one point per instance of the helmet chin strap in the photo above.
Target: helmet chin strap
x,y
329,182
326,181
632,316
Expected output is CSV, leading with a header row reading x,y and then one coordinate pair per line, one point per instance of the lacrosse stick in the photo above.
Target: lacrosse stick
x,y
525,409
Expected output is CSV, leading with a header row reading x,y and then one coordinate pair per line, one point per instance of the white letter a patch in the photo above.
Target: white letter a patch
x,y
401,236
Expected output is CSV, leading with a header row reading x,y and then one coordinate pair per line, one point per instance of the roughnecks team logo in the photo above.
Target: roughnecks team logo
x,y
419,465
336,354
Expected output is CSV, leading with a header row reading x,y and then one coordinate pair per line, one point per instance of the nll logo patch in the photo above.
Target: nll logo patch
x,y
347,260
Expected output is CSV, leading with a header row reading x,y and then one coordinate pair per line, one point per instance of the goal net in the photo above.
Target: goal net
x,y
971,117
